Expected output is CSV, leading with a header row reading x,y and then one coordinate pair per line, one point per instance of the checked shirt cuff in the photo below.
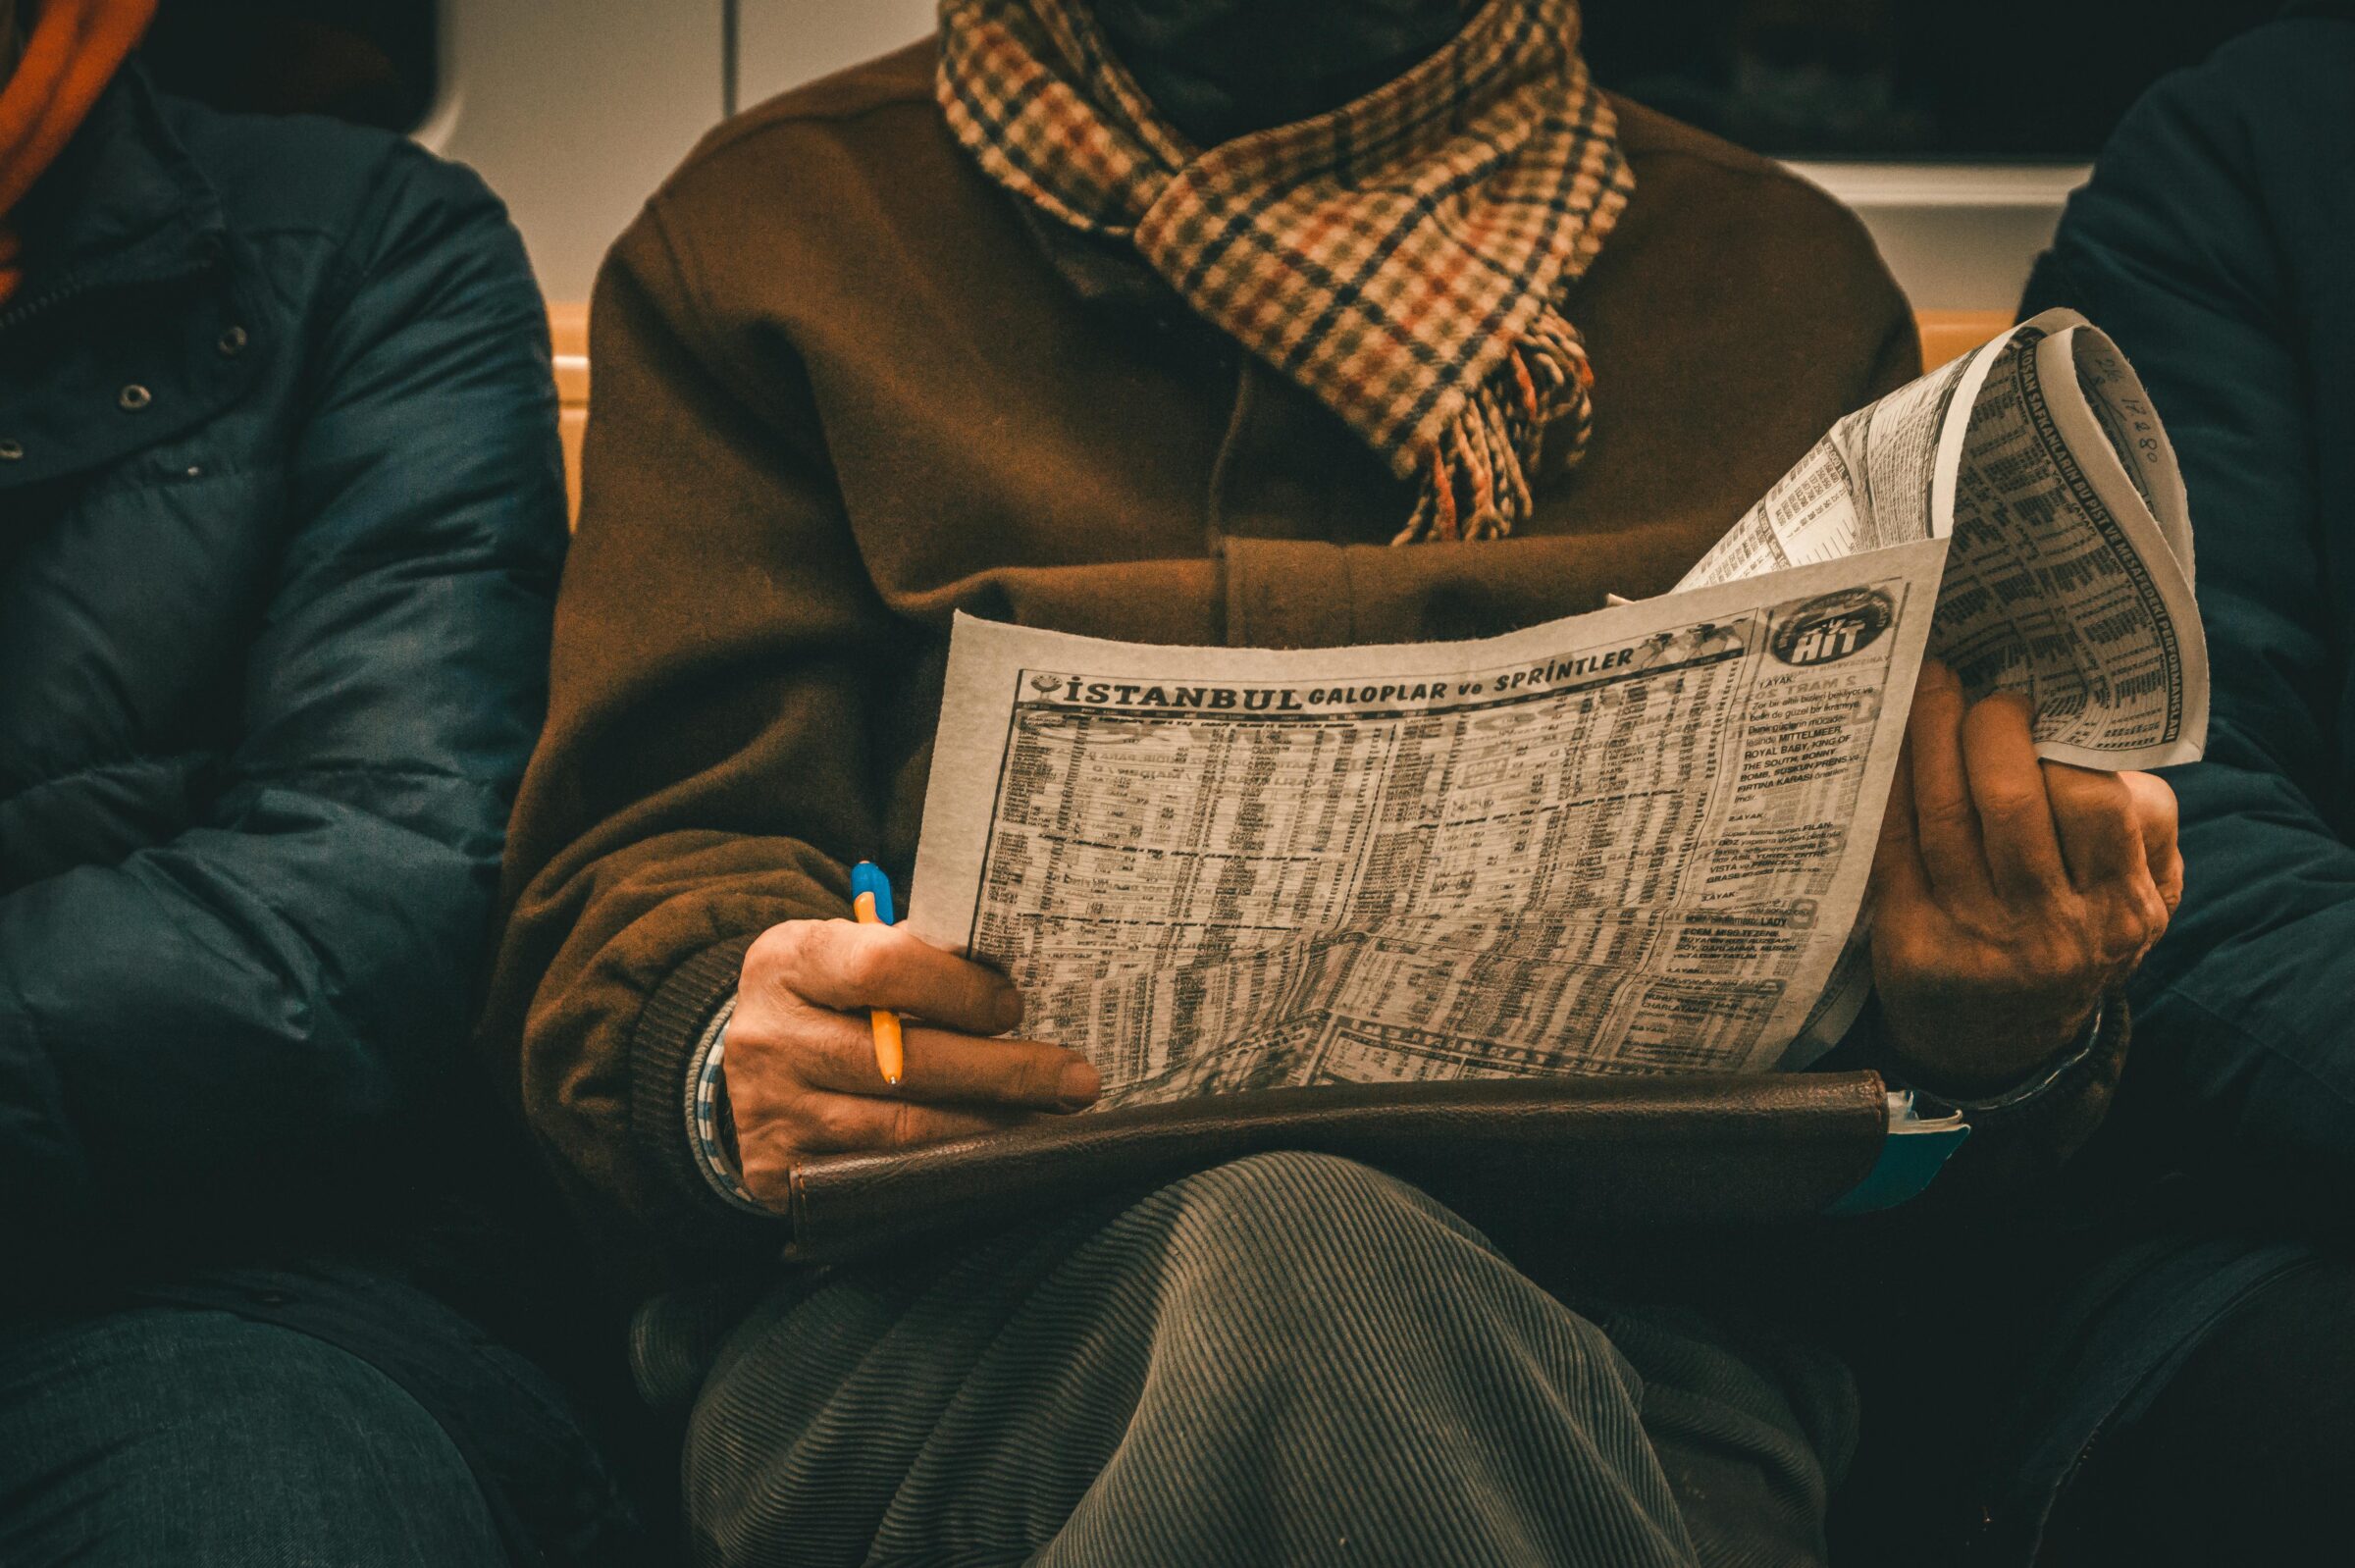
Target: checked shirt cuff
x,y
709,1127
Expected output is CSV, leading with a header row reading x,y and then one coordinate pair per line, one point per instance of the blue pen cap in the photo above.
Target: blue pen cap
x,y
867,877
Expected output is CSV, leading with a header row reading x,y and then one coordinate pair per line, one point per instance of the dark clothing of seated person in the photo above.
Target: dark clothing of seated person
x,y
281,522
1192,321
2195,1381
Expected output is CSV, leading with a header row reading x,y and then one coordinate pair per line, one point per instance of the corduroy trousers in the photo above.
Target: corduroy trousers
x,y
1290,1359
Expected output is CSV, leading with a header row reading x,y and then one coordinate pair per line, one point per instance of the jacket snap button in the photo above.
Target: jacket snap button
x,y
11,451
233,343
134,397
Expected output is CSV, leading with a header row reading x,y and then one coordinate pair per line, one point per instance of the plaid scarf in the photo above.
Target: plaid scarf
x,y
1401,258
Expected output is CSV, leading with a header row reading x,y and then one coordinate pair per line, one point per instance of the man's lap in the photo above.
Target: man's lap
x,y
1281,1343
166,1433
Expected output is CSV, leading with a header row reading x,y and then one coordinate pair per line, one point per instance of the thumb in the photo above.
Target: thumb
x,y
2154,812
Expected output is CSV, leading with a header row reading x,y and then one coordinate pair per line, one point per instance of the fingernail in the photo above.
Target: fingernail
x,y
1078,1085
1010,1008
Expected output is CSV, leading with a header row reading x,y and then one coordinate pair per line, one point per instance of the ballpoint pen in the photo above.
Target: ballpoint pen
x,y
870,897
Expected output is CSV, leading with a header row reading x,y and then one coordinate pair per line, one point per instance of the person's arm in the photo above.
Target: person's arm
x,y
710,770
2029,1114
2197,247
233,1016
2012,899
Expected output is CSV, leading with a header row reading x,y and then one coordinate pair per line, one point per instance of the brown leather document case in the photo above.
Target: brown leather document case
x,y
1600,1152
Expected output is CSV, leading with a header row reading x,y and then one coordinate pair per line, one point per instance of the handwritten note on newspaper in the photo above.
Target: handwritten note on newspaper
x,y
1637,840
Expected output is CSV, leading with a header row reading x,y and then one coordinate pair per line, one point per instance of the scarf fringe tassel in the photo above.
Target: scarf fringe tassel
x,y
1476,473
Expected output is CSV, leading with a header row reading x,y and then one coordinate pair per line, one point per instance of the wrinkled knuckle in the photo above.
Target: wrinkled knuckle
x,y
1996,718
2044,895
864,967
805,948
2125,931
1937,707
772,955
832,1121
2009,804
976,998
2110,797
2101,796
808,1051
796,1114
1947,813
2154,797
1039,1078
760,1091
2059,961
754,1032
907,1123
767,1172
1919,951
2034,963
1908,948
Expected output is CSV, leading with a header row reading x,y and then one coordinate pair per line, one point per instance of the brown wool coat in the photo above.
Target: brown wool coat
x,y
846,387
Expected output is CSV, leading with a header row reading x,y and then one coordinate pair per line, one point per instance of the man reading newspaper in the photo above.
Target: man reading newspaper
x,y
1634,841
1319,326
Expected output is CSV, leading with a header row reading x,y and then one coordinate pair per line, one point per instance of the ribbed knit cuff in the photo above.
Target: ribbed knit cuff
x,y
663,1052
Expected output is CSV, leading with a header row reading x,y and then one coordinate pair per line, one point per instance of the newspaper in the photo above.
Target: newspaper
x,y
1633,841
2070,577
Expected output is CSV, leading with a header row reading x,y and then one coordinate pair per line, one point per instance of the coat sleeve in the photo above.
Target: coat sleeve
x,y
2196,249
707,771
239,1012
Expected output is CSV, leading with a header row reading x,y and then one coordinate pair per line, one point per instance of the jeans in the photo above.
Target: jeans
x,y
168,1434
2246,1455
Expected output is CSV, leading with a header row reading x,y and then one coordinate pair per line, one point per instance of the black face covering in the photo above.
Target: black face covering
x,y
1220,68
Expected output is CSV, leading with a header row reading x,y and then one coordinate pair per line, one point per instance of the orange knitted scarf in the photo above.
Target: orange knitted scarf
x,y
73,51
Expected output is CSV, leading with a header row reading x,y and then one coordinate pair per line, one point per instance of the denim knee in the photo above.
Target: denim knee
x,y
164,1435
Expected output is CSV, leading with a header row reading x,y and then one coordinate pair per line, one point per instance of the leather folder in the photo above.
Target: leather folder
x,y
1596,1152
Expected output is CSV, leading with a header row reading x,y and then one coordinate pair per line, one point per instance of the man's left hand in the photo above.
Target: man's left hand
x,y
2011,893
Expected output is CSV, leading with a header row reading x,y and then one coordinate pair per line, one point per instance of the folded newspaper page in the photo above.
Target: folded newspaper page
x,y
2070,578
1632,841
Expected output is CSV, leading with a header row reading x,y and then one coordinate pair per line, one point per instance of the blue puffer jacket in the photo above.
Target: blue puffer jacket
x,y
281,520
2216,244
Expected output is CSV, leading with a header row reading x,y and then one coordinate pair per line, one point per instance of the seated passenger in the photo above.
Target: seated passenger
x,y
281,520
2215,1354
984,326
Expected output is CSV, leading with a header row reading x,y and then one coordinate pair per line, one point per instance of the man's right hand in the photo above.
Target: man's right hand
x,y
801,1064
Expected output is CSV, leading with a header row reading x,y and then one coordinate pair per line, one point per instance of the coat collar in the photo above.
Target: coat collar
x,y
124,205
86,382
